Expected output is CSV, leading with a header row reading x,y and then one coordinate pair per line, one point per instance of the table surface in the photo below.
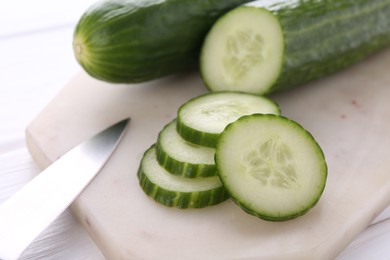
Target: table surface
x,y
36,61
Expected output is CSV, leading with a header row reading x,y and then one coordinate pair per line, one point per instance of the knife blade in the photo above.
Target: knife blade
x,y
37,204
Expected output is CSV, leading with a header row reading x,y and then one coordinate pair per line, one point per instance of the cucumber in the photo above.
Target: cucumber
x,y
201,119
130,41
182,158
268,46
271,166
175,191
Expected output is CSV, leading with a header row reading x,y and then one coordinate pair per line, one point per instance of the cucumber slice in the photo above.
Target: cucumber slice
x,y
271,166
175,191
243,51
202,119
182,158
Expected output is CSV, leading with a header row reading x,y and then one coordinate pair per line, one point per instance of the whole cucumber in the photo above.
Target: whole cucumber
x,y
129,41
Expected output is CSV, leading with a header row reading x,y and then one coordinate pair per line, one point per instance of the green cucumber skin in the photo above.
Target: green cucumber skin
x,y
323,37
130,41
195,136
245,208
182,200
181,168
184,169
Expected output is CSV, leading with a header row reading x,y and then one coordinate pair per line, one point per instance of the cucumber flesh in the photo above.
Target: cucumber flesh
x,y
271,166
202,119
176,191
182,158
243,51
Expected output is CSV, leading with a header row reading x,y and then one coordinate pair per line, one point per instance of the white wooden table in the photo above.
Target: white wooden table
x,y
36,61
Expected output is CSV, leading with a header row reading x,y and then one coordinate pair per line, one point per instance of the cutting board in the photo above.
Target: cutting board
x,y
348,114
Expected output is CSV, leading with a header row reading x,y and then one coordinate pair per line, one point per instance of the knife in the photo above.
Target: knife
x,y
31,209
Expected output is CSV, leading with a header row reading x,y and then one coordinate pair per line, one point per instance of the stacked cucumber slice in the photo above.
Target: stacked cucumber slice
x,y
176,191
183,158
237,145
179,169
203,118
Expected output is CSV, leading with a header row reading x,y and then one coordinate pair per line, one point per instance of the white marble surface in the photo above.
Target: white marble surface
x,y
36,61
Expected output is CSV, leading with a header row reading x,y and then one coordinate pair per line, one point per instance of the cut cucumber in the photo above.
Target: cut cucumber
x,y
202,119
271,166
176,191
182,158
267,46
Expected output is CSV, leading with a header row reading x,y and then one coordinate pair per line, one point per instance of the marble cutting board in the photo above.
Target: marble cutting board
x,y
348,113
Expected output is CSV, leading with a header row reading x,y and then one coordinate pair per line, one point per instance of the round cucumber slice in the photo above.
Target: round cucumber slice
x,y
243,51
202,119
271,166
183,158
175,191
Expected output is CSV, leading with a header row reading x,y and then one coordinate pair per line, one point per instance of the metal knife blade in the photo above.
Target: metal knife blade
x,y
31,209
